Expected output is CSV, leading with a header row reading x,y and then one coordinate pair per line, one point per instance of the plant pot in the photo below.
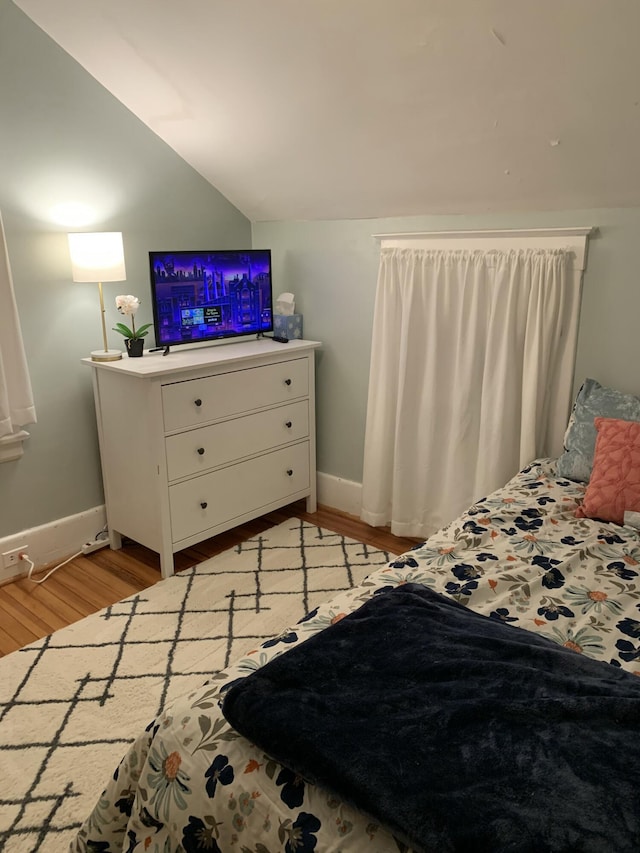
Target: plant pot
x,y
134,347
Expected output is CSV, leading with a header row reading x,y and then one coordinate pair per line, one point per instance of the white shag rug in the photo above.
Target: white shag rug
x,y
70,703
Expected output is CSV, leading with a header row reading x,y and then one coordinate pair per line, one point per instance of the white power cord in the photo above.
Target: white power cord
x,y
86,549
50,572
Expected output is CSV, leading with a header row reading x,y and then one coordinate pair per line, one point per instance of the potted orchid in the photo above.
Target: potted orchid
x,y
134,338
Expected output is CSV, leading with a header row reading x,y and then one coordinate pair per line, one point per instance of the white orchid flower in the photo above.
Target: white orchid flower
x,y
127,304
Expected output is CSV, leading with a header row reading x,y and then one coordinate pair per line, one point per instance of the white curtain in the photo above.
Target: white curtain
x,y
471,378
16,398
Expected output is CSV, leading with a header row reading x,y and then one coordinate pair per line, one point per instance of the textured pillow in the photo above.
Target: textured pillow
x,y
593,401
614,486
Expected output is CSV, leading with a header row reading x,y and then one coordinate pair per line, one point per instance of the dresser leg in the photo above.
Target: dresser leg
x,y
166,565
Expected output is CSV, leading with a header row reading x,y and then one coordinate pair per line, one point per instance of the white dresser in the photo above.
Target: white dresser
x,y
203,439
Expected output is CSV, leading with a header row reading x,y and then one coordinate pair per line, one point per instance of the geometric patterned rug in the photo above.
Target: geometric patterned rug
x,y
72,702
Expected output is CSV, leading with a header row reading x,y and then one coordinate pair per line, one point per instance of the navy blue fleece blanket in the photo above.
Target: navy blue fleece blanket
x,y
455,731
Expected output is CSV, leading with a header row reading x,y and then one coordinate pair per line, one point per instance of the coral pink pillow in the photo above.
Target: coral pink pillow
x,y
614,485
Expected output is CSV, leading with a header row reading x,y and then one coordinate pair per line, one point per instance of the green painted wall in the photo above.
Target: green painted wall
x,y
331,267
63,137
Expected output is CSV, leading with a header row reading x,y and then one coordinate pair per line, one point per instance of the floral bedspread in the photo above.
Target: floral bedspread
x,y
190,783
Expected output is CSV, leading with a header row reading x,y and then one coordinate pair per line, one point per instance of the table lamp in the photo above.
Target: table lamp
x,y
98,257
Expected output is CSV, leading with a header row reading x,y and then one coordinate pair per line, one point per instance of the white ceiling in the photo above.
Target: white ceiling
x,y
334,109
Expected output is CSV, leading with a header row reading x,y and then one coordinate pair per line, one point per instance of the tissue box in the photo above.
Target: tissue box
x,y
288,327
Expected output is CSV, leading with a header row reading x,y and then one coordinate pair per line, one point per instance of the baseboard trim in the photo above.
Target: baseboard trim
x,y
53,542
341,494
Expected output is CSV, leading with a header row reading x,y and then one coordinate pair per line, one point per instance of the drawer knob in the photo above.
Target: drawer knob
x,y
287,382
203,504
288,424
198,402
290,472
201,451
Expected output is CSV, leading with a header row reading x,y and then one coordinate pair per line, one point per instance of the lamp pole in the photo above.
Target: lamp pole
x,y
102,314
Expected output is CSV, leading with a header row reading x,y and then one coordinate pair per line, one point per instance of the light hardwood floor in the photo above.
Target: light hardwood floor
x,y
29,611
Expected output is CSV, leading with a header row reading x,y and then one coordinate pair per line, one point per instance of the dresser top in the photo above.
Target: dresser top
x,y
181,360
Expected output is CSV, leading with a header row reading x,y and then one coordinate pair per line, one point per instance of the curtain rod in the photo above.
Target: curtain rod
x,y
573,231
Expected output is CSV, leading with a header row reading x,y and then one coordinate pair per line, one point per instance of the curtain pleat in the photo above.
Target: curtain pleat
x,y
470,378
16,399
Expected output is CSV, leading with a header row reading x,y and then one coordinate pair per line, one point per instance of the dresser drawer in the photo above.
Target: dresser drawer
x,y
197,401
198,450
213,499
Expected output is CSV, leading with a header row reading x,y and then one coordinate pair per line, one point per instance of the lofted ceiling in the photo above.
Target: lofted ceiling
x,y
337,109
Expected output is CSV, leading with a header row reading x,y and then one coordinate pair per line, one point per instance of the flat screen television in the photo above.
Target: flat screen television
x,y
210,295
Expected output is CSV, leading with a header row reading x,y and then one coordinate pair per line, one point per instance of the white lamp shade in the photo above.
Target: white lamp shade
x,y
97,257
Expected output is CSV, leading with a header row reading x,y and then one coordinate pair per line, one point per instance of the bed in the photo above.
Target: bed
x,y
520,558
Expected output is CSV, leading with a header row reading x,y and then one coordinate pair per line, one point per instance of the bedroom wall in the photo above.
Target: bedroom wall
x,y
62,135
331,267
65,138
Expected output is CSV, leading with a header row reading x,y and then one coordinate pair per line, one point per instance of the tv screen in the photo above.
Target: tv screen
x,y
206,296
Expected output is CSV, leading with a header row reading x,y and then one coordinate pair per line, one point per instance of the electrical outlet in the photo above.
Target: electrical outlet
x,y
12,558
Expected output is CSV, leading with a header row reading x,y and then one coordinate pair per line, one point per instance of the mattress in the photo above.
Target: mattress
x,y
519,556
